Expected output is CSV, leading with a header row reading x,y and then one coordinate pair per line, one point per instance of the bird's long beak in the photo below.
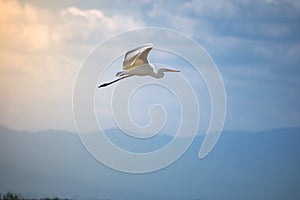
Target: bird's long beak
x,y
172,70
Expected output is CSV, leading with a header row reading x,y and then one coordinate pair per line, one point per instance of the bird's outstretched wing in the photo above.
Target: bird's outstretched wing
x,y
137,56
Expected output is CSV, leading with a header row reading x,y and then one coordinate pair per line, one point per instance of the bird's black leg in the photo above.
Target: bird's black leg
x,y
106,84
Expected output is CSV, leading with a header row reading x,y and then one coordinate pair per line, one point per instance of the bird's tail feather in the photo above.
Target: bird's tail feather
x,y
121,73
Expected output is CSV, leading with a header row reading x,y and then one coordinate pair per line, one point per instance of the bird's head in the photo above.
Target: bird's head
x,y
161,71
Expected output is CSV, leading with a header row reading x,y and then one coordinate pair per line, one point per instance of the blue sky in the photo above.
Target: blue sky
x,y
255,45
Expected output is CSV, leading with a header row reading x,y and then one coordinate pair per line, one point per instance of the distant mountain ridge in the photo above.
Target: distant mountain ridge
x,y
243,165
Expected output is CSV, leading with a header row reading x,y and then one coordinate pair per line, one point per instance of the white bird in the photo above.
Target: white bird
x,y
136,64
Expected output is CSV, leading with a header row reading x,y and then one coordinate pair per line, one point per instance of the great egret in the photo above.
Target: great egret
x,y
136,64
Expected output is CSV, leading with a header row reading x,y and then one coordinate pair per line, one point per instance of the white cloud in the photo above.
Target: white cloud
x,y
41,51
90,23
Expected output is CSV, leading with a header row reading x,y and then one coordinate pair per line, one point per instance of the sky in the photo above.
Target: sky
x,y
255,45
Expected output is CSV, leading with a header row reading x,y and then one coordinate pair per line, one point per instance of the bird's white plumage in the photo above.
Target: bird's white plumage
x,y
136,64
137,57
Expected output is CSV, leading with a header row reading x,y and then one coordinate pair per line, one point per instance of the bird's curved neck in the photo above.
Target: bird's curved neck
x,y
158,74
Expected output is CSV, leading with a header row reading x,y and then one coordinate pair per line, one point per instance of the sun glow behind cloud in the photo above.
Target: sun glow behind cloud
x,y
40,54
